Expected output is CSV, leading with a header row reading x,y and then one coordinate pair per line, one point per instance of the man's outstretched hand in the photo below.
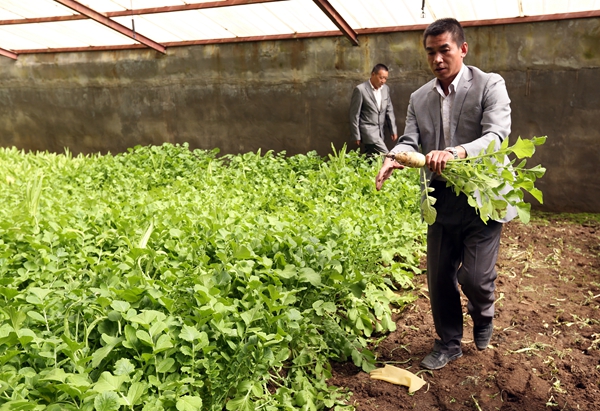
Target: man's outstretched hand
x,y
386,171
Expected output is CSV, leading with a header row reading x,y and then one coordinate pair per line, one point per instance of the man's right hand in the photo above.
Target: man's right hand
x,y
386,171
358,142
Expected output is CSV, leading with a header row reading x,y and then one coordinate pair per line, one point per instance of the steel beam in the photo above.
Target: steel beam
x,y
338,20
102,19
297,36
271,37
489,22
186,7
137,12
9,54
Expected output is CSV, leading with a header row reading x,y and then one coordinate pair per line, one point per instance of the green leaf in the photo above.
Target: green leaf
x,y
135,393
16,316
294,315
109,382
163,343
288,272
144,337
523,148
56,374
146,236
537,194
176,233
524,212
308,275
189,403
9,293
107,401
165,365
240,404
18,405
537,171
242,253
190,334
429,212
148,317
124,367
120,306
36,316
26,336
40,293
100,354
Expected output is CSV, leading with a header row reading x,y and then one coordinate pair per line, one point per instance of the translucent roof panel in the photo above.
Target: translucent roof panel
x,y
79,33
539,7
14,9
36,25
300,16
105,6
176,26
468,10
379,13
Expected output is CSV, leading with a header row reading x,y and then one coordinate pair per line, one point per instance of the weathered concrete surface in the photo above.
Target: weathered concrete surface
x,y
294,96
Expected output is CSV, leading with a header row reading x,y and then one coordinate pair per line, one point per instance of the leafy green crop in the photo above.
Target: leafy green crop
x,y
490,184
170,279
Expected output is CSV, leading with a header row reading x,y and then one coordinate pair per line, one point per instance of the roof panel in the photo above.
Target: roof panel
x,y
104,6
303,16
176,26
16,38
34,8
80,33
276,17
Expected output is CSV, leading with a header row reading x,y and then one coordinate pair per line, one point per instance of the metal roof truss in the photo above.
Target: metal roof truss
x,y
42,26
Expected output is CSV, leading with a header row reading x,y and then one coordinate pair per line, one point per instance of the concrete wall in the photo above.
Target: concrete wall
x,y
293,95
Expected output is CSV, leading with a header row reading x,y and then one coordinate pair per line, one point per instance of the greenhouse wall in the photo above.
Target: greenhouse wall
x,y
293,96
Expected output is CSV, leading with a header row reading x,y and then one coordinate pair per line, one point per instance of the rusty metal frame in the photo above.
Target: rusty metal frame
x,y
9,54
338,20
137,12
85,12
192,6
272,37
294,36
102,19
490,22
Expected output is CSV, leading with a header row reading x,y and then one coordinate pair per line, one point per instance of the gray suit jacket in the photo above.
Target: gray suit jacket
x,y
366,119
480,114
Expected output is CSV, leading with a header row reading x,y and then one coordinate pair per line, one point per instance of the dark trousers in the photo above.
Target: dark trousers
x,y
461,249
374,150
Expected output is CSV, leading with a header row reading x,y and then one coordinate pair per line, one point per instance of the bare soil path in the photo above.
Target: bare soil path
x,y
545,352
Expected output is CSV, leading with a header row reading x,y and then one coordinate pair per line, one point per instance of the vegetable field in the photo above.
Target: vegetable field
x,y
170,279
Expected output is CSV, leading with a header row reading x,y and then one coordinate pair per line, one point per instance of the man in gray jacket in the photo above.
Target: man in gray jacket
x,y
455,115
370,109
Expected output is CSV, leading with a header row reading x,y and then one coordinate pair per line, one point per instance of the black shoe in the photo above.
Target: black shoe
x,y
437,359
482,334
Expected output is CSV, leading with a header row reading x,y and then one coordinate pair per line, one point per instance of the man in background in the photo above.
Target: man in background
x,y
370,110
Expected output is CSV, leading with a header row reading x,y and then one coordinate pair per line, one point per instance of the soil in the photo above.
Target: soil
x,y
545,350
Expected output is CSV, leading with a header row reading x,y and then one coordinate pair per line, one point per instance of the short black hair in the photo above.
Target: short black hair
x,y
379,67
447,25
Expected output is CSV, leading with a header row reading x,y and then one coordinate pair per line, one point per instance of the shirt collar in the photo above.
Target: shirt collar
x,y
372,87
453,86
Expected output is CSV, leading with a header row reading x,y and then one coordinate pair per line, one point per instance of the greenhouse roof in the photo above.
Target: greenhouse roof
x,y
42,26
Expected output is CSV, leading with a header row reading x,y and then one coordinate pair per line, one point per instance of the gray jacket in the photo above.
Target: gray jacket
x,y
366,119
480,114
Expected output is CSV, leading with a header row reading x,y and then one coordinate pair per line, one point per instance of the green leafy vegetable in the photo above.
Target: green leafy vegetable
x,y
490,184
166,278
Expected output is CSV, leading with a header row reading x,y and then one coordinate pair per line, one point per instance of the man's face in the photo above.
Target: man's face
x,y
445,57
378,79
